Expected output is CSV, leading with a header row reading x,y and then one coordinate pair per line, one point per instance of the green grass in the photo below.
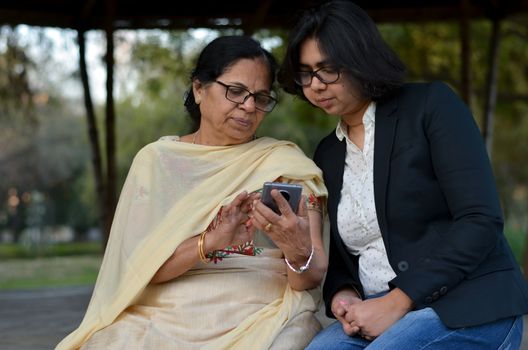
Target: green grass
x,y
52,265
49,272
78,263
18,251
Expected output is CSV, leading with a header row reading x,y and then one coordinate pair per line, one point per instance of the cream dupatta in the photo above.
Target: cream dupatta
x,y
172,192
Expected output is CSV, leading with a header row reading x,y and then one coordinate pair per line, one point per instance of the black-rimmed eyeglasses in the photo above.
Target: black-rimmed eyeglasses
x,y
325,75
238,94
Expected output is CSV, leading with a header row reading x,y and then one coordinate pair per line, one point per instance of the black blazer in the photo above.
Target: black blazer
x,y
437,208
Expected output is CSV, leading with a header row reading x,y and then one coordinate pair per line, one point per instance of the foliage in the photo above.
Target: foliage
x,y
153,69
296,120
42,142
510,145
16,93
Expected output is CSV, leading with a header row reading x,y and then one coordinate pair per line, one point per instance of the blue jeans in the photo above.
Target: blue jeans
x,y
422,329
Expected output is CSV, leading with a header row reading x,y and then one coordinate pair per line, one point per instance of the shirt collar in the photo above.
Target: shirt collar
x,y
368,119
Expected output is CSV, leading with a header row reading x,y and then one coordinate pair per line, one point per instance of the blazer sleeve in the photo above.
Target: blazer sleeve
x,y
464,175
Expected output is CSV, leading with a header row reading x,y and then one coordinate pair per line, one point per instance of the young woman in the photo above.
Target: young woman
x,y
418,259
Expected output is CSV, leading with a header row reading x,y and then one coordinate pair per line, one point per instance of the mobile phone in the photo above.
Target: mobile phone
x,y
291,192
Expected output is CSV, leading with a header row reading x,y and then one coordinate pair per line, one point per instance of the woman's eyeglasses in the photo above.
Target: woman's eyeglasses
x,y
238,94
325,75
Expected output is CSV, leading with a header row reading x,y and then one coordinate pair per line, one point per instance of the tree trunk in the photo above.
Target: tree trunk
x,y
111,173
491,86
93,133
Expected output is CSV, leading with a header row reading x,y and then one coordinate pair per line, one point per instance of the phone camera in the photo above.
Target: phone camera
x,y
285,194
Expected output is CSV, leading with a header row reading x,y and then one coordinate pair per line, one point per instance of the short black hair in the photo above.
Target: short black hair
x,y
217,57
352,43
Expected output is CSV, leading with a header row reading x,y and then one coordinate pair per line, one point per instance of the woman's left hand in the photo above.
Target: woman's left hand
x,y
289,231
374,316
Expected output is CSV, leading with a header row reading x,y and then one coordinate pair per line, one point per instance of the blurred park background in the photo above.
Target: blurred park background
x,y
66,145
53,216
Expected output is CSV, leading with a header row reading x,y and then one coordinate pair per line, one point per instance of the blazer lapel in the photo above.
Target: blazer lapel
x,y
385,131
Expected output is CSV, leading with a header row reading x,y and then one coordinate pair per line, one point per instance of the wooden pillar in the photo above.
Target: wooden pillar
x,y
465,54
111,171
93,133
258,18
491,85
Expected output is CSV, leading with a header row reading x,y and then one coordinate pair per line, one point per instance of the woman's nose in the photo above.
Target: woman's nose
x,y
249,103
317,84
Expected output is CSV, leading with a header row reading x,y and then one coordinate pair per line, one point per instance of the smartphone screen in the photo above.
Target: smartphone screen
x,y
291,192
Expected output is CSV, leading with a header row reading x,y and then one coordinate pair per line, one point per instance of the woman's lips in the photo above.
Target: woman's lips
x,y
324,102
245,123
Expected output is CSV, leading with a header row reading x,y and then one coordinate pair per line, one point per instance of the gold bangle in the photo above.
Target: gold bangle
x,y
201,253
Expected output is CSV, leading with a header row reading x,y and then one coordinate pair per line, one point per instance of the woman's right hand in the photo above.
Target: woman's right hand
x,y
340,304
234,227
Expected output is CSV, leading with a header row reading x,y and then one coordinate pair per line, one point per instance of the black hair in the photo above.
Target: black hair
x,y
350,40
217,57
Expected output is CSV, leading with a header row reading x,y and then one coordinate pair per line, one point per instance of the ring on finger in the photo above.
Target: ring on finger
x,y
268,226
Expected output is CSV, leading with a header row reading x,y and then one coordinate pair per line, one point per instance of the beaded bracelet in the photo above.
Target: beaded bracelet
x,y
200,247
302,268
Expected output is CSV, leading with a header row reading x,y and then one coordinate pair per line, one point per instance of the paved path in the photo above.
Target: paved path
x,y
39,319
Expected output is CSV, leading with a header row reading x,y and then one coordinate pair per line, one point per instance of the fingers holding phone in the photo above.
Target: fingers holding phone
x,y
274,214
278,203
282,198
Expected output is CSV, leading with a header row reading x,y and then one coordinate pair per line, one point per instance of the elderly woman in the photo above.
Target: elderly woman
x,y
194,259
